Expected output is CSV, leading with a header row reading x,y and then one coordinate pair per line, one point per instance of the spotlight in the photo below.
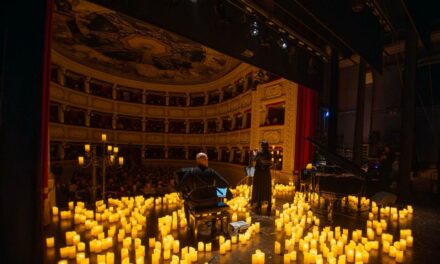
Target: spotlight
x,y
282,43
327,114
254,28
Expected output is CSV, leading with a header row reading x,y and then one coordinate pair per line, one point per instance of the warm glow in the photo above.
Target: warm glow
x,y
109,148
104,137
81,160
121,161
112,158
116,149
87,148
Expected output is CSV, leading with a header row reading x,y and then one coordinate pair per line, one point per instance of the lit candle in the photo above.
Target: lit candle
x,y
385,246
402,244
392,251
109,148
104,137
151,242
277,247
257,227
293,255
358,256
110,258
124,253
208,247
201,247
222,249
176,246
286,258
50,242
87,148
155,258
166,254
350,255
234,217
55,211
399,256
80,160
116,149
121,161
80,247
234,239
409,241
221,239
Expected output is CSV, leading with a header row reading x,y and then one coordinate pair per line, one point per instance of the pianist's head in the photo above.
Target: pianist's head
x,y
202,159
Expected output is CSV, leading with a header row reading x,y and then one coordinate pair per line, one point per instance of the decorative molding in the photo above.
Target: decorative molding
x,y
273,91
272,136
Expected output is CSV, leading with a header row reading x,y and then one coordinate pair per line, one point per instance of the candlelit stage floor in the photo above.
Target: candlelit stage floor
x,y
425,225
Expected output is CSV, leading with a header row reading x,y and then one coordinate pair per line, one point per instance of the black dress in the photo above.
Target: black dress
x,y
262,182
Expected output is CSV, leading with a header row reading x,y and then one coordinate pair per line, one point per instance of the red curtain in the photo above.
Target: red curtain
x,y
45,98
307,108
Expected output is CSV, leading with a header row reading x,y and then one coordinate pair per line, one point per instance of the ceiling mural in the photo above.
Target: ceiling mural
x,y
114,43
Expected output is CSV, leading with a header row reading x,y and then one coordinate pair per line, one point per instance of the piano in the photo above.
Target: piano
x,y
337,179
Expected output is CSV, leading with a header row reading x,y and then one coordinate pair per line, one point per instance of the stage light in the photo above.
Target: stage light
x,y
327,114
254,28
282,43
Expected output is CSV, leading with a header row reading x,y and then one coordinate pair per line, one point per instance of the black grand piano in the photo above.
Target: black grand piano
x,y
337,179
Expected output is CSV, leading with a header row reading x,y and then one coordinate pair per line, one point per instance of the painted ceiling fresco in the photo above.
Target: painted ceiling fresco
x,y
114,43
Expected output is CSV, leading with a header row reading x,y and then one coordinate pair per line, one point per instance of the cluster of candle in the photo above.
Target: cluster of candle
x,y
334,245
242,190
239,203
122,221
282,189
353,201
172,222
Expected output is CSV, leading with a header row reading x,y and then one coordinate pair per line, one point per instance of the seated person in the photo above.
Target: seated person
x,y
199,184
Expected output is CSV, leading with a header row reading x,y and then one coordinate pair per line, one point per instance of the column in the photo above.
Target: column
x,y
206,98
88,112
188,99
143,151
359,123
186,126
408,113
61,110
333,107
114,121
87,84
233,122
61,76
221,95
114,91
167,99
144,97
186,153
219,124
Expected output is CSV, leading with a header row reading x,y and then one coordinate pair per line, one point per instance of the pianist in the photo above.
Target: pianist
x,y
199,184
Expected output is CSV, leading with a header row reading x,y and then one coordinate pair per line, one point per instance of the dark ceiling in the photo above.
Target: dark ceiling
x,y
309,27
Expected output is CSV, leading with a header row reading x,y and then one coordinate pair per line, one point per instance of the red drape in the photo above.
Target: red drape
x,y
45,98
307,108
